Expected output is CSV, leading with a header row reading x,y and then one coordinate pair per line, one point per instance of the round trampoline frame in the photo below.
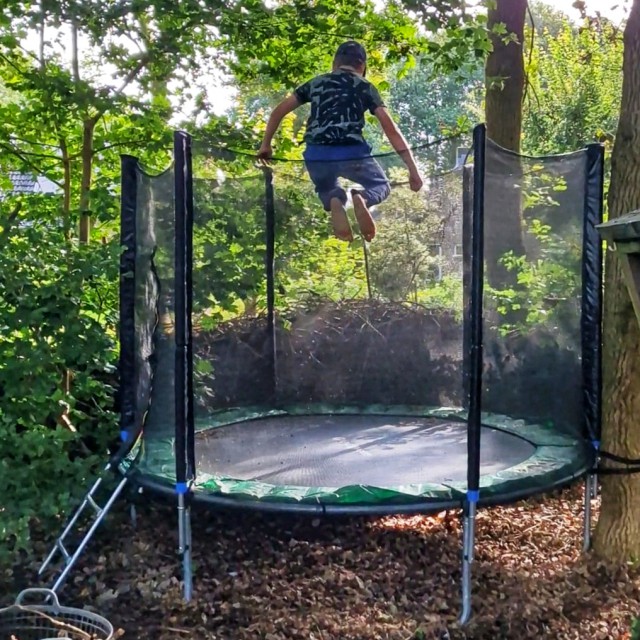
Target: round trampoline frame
x,y
556,459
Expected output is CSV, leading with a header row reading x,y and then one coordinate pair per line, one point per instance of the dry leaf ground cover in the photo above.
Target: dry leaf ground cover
x,y
266,577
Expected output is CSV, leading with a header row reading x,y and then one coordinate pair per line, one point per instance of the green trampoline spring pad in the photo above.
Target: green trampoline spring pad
x,y
374,455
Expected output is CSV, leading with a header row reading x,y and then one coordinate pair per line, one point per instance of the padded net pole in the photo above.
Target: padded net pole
x,y
591,319
475,368
127,364
183,194
467,221
475,319
188,225
270,228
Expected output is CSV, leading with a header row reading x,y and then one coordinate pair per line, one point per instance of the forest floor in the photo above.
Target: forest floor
x,y
397,578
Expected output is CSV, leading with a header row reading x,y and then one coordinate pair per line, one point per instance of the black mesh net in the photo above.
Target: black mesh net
x,y
356,323
533,234
155,303
366,329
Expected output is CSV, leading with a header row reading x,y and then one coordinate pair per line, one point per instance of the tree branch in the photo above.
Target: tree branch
x,y
129,37
12,64
8,225
527,83
75,63
35,143
129,78
28,53
120,144
42,33
11,149
30,165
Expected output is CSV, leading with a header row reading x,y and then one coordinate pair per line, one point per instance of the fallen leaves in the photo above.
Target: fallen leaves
x,y
262,577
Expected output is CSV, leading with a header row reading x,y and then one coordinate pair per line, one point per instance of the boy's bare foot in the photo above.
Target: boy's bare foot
x,y
341,226
365,221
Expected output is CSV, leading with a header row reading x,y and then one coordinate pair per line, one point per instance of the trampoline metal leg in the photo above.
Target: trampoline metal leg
x,y
468,543
188,575
589,493
184,541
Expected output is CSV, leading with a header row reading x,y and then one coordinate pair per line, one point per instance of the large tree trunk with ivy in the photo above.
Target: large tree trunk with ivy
x,y
504,77
617,535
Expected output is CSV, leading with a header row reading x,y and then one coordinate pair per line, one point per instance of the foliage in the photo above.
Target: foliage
x,y
261,37
548,275
59,119
310,264
229,249
44,136
406,258
98,79
547,22
574,89
57,315
428,105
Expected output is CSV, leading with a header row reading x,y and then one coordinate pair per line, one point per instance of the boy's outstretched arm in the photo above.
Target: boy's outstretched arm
x,y
400,145
288,105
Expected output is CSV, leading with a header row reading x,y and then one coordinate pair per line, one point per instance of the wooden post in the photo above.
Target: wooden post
x,y
624,234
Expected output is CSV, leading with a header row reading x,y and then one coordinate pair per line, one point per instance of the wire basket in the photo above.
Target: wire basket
x,y
51,621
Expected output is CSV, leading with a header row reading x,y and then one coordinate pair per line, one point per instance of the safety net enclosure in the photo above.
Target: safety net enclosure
x,y
270,365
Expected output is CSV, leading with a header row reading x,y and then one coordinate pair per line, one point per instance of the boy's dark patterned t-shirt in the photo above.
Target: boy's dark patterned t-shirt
x,y
339,101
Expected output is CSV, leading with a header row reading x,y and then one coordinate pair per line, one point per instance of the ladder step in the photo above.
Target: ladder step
x,y
63,550
96,507
70,558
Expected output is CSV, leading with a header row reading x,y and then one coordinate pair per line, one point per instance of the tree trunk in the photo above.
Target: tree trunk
x,y
504,77
66,189
75,54
42,31
88,128
617,535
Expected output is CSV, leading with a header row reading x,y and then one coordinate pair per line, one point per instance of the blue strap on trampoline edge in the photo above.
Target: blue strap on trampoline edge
x,y
181,488
473,496
124,435
596,444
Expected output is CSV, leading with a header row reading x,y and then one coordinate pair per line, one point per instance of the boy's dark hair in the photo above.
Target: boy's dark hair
x,y
351,53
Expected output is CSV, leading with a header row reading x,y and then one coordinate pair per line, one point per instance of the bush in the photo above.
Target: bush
x,y
57,322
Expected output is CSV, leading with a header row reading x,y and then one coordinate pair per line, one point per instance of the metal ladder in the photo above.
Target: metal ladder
x,y
70,556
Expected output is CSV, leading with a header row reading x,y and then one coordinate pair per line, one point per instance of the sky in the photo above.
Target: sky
x,y
613,9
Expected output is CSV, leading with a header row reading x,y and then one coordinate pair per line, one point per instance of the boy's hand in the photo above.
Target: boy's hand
x,y
265,152
415,181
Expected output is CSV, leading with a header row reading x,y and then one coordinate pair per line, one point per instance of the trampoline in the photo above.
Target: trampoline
x,y
453,362
270,367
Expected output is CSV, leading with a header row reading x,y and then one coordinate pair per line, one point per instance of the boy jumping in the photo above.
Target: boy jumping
x,y
335,146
